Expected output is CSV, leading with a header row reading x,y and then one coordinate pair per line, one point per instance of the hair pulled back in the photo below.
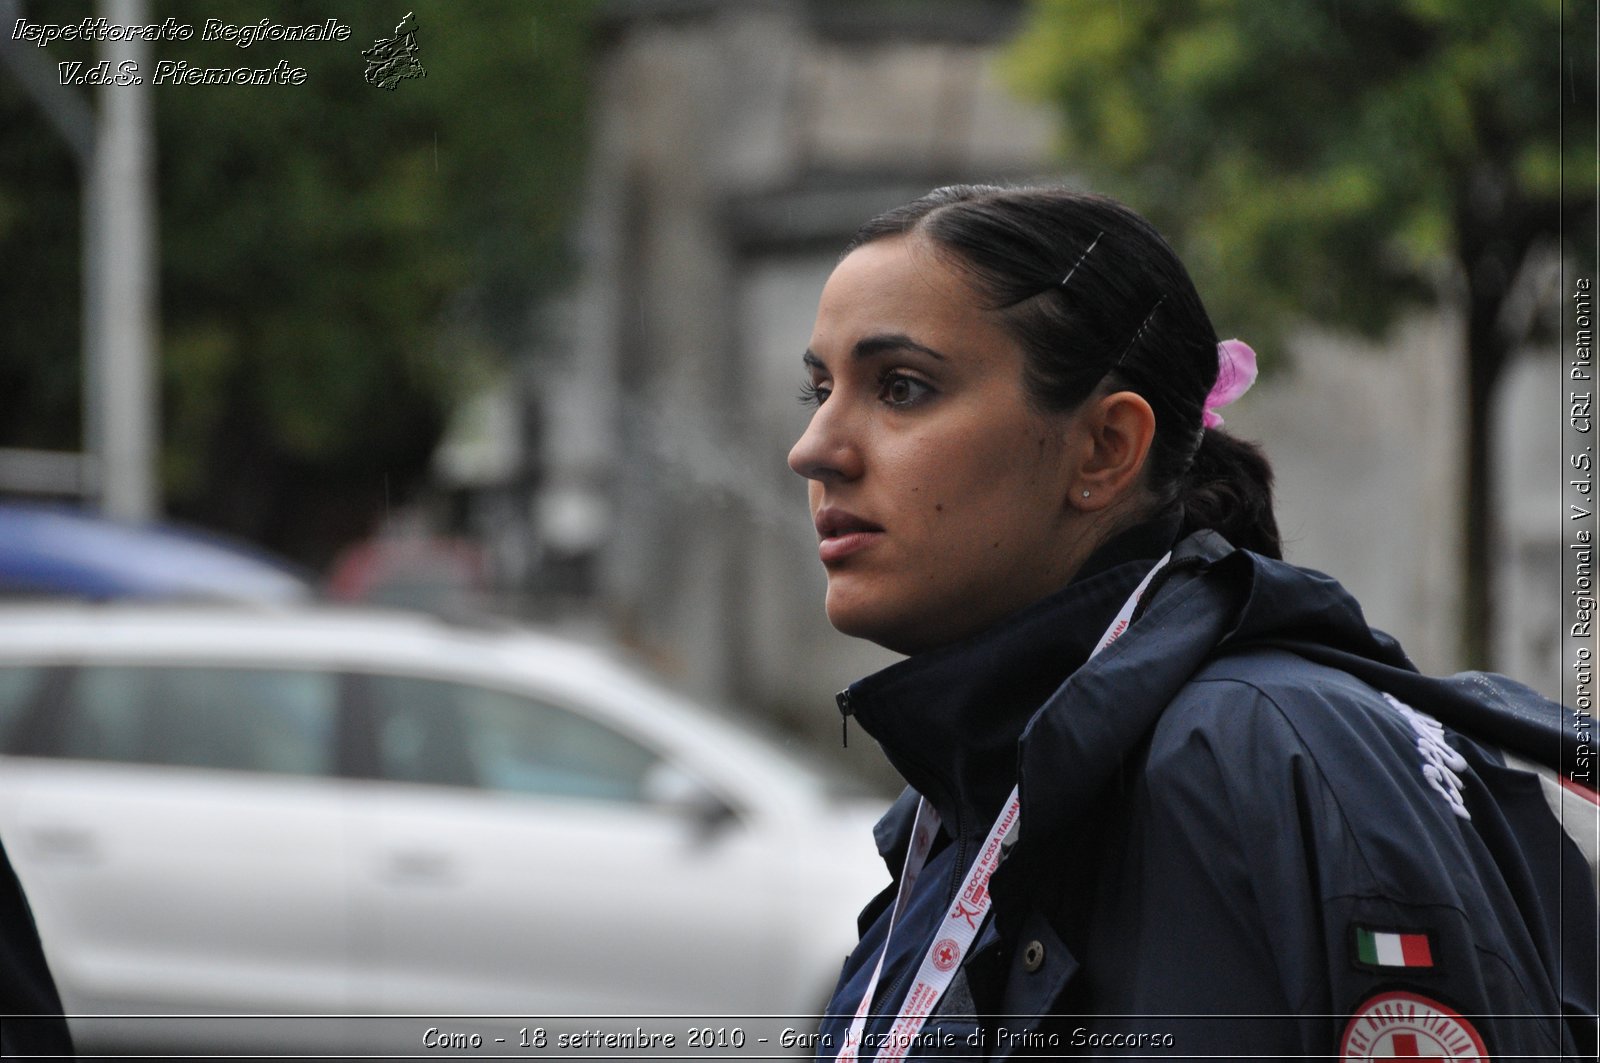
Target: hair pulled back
x,y
1092,292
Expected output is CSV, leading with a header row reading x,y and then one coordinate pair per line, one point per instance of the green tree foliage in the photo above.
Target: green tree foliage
x,y
1340,161
337,261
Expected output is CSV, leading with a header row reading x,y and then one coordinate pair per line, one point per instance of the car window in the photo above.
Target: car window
x,y
257,720
19,687
456,734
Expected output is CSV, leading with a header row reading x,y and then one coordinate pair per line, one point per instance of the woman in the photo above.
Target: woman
x,y
1169,796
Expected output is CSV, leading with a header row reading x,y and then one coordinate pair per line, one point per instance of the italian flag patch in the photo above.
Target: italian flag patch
x,y
1386,949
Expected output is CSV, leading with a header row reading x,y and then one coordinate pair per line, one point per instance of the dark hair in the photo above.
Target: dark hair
x,y
1093,292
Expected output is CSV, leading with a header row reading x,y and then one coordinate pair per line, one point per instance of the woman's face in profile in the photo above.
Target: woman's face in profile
x,y
940,494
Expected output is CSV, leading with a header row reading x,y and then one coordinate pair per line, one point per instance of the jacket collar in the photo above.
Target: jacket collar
x,y
949,720
1066,746
1211,599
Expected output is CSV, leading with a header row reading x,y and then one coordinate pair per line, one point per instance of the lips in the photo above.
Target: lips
x,y
843,533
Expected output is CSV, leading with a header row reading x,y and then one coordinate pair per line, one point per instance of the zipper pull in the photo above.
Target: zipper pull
x,y
843,700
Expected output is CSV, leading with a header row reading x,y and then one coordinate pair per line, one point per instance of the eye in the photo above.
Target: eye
x,y
812,394
900,389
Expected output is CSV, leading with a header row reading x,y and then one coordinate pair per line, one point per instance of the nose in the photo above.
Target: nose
x,y
827,449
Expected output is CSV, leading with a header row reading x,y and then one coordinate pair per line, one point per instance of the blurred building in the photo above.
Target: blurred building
x,y
737,145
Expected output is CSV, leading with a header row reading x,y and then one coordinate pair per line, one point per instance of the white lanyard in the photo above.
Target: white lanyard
x,y
960,925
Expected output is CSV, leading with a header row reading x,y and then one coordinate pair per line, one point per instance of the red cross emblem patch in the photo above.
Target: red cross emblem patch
x,y
1400,1025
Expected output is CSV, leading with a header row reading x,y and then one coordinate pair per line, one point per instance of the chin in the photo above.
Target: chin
x,y
875,621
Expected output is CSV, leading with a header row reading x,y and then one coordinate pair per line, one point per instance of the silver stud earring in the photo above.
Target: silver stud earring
x,y
1086,494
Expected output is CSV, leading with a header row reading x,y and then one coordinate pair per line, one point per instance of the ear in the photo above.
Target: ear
x,y
1116,432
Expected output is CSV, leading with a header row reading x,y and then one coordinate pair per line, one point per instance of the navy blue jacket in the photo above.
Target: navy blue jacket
x,y
1232,841
31,1022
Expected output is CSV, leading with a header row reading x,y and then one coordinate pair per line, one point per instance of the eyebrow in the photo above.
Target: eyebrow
x,y
874,346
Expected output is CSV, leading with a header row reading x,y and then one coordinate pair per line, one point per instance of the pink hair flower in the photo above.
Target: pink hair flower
x,y
1236,371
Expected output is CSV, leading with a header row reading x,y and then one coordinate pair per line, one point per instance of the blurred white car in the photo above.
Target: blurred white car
x,y
317,812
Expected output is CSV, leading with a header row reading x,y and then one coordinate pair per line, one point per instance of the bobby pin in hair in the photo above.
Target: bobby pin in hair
x,y
1139,332
1081,257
